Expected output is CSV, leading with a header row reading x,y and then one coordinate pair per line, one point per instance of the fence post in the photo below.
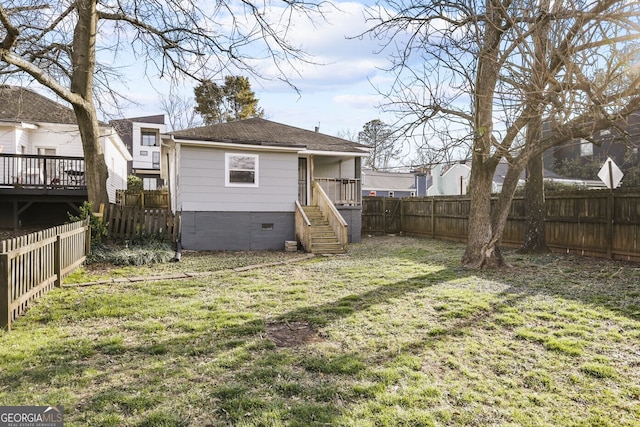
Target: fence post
x,y
433,217
384,215
87,235
57,262
609,228
5,292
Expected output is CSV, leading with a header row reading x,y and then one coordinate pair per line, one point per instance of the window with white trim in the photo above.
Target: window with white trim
x,y
149,138
241,170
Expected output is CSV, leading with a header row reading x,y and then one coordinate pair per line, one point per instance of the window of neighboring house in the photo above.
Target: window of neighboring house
x,y
241,170
149,138
586,148
391,194
144,153
150,183
156,160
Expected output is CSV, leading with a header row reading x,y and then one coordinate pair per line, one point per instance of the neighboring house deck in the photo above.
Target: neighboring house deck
x,y
255,184
42,168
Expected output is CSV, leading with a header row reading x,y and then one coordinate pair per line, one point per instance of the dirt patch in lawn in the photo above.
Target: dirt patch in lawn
x,y
292,334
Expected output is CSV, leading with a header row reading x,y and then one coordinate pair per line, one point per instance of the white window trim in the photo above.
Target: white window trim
x,y
256,175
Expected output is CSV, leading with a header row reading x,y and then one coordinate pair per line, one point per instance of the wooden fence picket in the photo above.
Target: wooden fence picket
x,y
33,264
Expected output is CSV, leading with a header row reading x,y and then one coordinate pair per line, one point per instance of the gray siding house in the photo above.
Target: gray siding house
x,y
255,184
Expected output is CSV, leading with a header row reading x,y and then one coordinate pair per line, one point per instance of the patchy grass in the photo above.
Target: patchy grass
x,y
395,333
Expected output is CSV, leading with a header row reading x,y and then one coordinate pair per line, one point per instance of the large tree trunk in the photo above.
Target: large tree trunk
x,y
535,212
482,249
96,172
84,60
535,240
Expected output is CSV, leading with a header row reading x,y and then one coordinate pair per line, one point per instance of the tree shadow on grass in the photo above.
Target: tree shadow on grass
x,y
230,375
598,283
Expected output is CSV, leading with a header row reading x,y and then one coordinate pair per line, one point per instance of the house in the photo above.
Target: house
x,y
394,184
255,184
141,135
449,179
621,143
41,157
547,176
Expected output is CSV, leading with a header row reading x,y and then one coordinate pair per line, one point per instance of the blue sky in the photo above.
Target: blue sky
x,y
338,96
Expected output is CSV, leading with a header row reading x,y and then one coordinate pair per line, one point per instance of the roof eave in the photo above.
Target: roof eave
x,y
258,146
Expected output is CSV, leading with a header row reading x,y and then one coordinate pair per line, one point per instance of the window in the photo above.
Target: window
x,y
149,138
241,170
144,153
156,160
149,183
586,148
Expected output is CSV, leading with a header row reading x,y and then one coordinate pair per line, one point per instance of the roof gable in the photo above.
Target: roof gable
x,y
19,104
258,131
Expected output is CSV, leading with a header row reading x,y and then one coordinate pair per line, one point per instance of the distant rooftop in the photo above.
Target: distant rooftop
x,y
19,104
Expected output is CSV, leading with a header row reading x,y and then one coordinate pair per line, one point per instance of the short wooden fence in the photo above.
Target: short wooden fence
x,y
33,264
128,222
146,198
597,223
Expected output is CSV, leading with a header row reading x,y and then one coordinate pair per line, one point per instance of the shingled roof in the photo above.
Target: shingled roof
x,y
267,133
19,104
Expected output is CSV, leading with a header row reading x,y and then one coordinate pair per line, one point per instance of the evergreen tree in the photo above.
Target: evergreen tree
x,y
232,101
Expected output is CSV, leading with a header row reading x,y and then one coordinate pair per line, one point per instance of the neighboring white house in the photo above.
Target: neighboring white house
x,y
141,135
449,179
394,184
32,124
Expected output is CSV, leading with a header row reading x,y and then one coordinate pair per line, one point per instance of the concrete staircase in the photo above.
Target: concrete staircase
x,y
323,239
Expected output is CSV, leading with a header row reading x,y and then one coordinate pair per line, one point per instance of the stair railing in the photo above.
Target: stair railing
x,y
328,209
303,227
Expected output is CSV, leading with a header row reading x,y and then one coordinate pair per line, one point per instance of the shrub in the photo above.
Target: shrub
x,y
134,183
97,227
133,254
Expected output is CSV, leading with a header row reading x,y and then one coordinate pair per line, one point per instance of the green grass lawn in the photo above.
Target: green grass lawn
x,y
396,333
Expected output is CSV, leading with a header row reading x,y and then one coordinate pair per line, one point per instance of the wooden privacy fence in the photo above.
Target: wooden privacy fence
x,y
146,198
33,264
593,223
127,223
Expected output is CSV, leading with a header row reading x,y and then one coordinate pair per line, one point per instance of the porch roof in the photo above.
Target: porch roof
x,y
263,132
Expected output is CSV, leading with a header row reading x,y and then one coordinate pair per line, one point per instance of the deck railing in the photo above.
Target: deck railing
x,y
34,171
342,191
303,227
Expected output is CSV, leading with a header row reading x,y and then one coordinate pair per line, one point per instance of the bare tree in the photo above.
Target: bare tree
x,y
55,43
382,142
477,61
180,111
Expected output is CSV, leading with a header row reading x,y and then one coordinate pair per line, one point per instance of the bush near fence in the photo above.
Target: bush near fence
x,y
35,263
597,223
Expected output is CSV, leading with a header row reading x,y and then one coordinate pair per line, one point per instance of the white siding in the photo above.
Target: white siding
x,y
202,182
141,161
117,165
64,139
8,139
334,167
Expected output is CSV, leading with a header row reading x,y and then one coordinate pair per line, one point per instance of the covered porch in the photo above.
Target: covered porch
x,y
329,206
